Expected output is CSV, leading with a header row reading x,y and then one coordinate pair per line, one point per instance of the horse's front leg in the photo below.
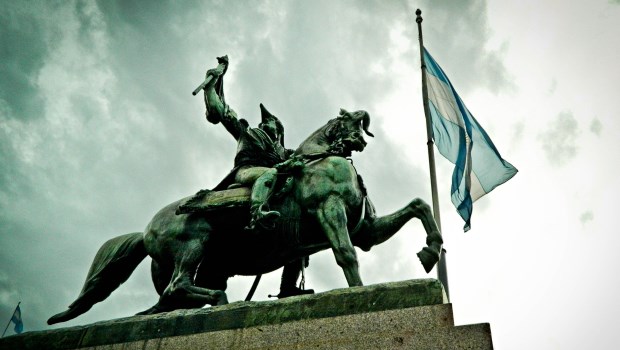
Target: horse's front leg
x,y
380,229
332,216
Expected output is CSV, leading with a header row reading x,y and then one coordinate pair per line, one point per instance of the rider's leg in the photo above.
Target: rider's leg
x,y
262,180
261,191
247,175
290,275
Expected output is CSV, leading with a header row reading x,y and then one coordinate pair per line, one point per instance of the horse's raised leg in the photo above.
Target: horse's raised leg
x,y
378,230
333,218
181,291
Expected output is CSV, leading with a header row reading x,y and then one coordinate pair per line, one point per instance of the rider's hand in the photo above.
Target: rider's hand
x,y
215,72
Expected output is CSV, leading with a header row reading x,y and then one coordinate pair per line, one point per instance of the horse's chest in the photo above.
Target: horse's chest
x,y
323,180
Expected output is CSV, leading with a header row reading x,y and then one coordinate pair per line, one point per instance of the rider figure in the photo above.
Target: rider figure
x,y
258,151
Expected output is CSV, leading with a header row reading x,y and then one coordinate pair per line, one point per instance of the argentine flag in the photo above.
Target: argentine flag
x,y
458,136
17,319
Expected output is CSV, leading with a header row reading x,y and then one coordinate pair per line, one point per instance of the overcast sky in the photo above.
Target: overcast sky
x,y
98,131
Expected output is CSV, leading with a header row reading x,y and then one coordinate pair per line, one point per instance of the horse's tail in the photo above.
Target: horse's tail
x,y
113,264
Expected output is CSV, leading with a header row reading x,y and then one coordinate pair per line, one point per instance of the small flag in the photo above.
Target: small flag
x,y
17,319
458,136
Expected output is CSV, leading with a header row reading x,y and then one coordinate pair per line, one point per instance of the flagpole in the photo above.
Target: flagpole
x,y
442,269
7,325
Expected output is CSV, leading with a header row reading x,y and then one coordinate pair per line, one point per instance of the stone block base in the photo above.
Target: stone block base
x,y
401,315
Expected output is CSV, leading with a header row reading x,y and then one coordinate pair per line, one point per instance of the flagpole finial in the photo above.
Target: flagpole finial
x,y
418,18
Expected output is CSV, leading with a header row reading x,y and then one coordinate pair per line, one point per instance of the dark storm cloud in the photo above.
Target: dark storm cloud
x,y
559,141
98,129
8,296
25,33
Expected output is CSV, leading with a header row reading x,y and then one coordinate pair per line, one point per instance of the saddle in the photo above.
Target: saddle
x,y
236,195
208,201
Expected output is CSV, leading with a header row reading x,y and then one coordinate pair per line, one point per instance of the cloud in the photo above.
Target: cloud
x,y
596,126
586,217
458,32
25,33
559,141
518,132
8,294
9,297
552,87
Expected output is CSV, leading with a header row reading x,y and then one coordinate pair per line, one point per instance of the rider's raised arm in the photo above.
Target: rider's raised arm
x,y
221,112
234,126
218,111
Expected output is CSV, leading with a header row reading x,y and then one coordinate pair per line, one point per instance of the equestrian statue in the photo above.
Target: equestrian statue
x,y
274,209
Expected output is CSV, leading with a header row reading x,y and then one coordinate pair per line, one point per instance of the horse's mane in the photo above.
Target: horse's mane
x,y
328,130
332,128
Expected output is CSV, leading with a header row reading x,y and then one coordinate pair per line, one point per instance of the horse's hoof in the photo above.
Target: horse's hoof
x,y
61,317
151,311
428,257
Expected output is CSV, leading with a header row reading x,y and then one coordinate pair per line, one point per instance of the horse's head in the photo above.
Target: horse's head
x,y
340,136
347,133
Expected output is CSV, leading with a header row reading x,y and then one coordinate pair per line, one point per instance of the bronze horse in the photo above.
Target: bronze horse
x,y
193,255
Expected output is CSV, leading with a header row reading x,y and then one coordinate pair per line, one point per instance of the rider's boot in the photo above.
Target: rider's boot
x,y
290,275
261,191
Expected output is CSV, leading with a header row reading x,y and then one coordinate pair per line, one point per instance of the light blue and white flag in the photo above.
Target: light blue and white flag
x,y
17,319
458,136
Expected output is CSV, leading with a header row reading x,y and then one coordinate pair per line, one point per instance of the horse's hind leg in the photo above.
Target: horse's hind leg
x,y
378,230
181,293
333,218
161,275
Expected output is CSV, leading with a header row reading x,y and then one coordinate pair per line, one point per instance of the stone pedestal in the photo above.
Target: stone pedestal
x,y
401,315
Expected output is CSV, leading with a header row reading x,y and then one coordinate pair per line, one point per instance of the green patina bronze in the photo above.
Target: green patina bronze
x,y
301,202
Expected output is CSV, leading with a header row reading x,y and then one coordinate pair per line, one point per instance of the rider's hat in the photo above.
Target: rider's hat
x,y
265,115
